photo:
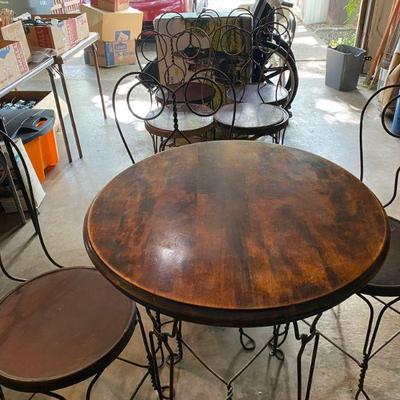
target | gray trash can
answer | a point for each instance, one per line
(343, 67)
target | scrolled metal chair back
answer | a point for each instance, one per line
(221, 84)
(273, 59)
(208, 20)
(128, 101)
(233, 53)
(392, 101)
(286, 18)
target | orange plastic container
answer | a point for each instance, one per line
(43, 153)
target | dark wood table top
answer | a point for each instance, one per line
(237, 233)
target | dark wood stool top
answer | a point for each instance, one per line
(250, 93)
(250, 117)
(237, 233)
(60, 328)
(189, 123)
(387, 280)
(196, 93)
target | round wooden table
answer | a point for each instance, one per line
(237, 233)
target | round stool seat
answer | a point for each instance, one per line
(267, 93)
(253, 119)
(61, 328)
(196, 93)
(189, 122)
(387, 281)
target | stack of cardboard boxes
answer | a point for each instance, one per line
(118, 25)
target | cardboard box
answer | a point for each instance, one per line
(110, 5)
(112, 54)
(15, 32)
(12, 62)
(71, 29)
(49, 37)
(114, 27)
(45, 101)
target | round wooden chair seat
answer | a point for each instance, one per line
(387, 280)
(61, 328)
(253, 119)
(197, 93)
(188, 122)
(250, 93)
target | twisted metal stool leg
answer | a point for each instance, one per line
(370, 339)
(305, 339)
(160, 336)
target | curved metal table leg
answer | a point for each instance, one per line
(251, 343)
(280, 337)
(306, 338)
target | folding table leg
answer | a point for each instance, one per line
(96, 63)
(60, 72)
(60, 116)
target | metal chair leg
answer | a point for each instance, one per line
(54, 395)
(9, 276)
(92, 383)
(369, 343)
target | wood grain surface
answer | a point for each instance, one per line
(237, 233)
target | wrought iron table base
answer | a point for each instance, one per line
(159, 337)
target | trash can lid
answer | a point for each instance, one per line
(27, 124)
(355, 51)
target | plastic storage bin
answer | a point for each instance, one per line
(43, 153)
(343, 67)
(36, 130)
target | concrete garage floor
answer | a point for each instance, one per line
(324, 122)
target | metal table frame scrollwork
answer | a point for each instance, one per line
(161, 337)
